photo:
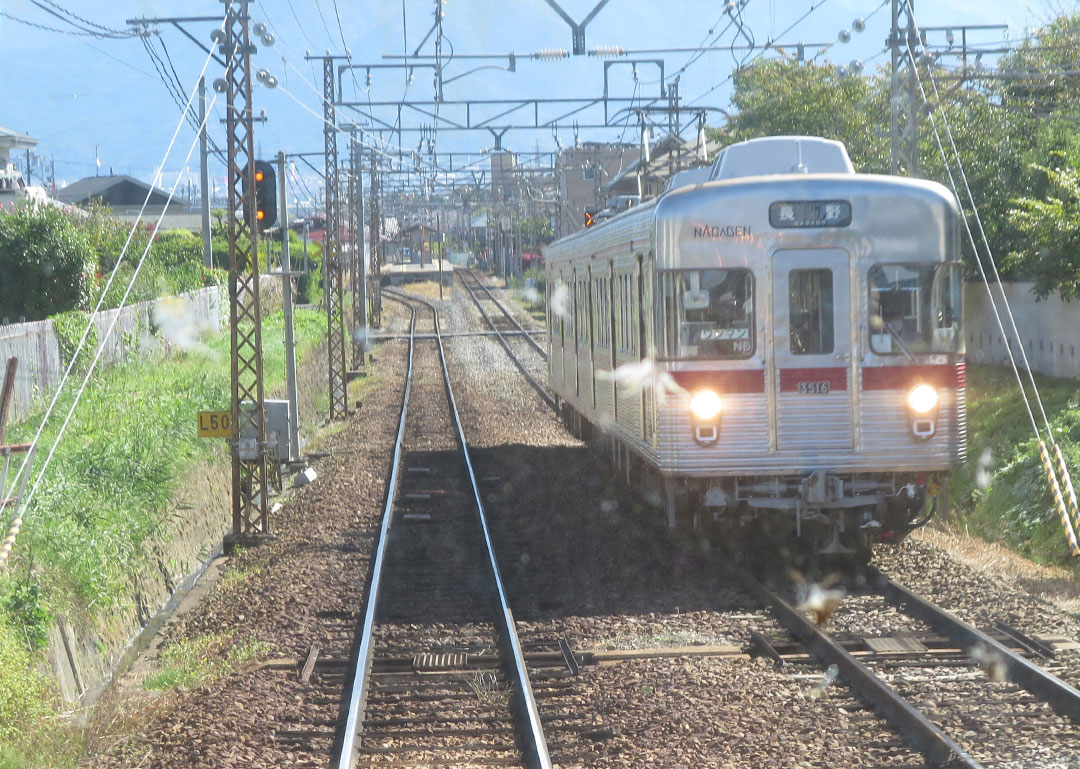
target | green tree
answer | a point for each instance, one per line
(783, 97)
(46, 263)
(1050, 229)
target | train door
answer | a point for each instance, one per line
(585, 338)
(812, 349)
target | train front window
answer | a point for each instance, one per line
(810, 311)
(708, 314)
(915, 308)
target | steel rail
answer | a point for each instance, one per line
(1062, 697)
(536, 345)
(521, 367)
(536, 744)
(358, 695)
(923, 734)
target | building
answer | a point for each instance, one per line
(12, 184)
(582, 172)
(644, 179)
(124, 196)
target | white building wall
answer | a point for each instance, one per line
(1050, 329)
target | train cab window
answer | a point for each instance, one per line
(915, 308)
(810, 311)
(707, 314)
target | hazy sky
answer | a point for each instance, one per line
(79, 94)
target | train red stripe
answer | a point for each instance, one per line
(737, 381)
(904, 377)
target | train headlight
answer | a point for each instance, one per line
(705, 405)
(922, 403)
(922, 399)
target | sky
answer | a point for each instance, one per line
(87, 98)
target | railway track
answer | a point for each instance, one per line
(963, 697)
(504, 320)
(440, 678)
(526, 353)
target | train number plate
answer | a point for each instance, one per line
(813, 388)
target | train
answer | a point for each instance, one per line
(772, 348)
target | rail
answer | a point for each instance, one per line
(937, 746)
(517, 362)
(531, 731)
(505, 312)
(358, 694)
(1062, 697)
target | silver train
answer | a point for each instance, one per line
(772, 346)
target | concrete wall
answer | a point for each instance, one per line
(177, 320)
(1050, 329)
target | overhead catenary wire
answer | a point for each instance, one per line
(19, 478)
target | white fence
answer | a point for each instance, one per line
(179, 319)
(1050, 329)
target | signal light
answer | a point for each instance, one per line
(590, 219)
(265, 195)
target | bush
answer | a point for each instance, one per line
(46, 264)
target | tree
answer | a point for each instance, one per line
(46, 264)
(1050, 229)
(783, 97)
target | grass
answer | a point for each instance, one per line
(189, 662)
(106, 495)
(31, 724)
(1001, 494)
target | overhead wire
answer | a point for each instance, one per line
(1072, 509)
(19, 480)
(78, 22)
(768, 44)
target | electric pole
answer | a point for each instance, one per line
(333, 273)
(250, 520)
(904, 99)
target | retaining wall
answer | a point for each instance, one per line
(1050, 329)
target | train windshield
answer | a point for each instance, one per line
(707, 314)
(915, 308)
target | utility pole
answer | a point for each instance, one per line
(904, 99)
(376, 238)
(332, 263)
(287, 306)
(249, 446)
(357, 252)
(204, 178)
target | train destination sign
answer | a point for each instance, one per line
(810, 213)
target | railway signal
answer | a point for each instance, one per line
(265, 194)
(590, 218)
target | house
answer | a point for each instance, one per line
(124, 197)
(644, 179)
(12, 184)
(582, 172)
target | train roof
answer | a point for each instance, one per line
(782, 155)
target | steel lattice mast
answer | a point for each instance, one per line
(904, 99)
(249, 465)
(333, 272)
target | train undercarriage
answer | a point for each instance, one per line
(807, 516)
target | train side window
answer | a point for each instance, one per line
(601, 314)
(810, 311)
(707, 314)
(915, 308)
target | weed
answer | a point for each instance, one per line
(485, 685)
(193, 661)
(1001, 493)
